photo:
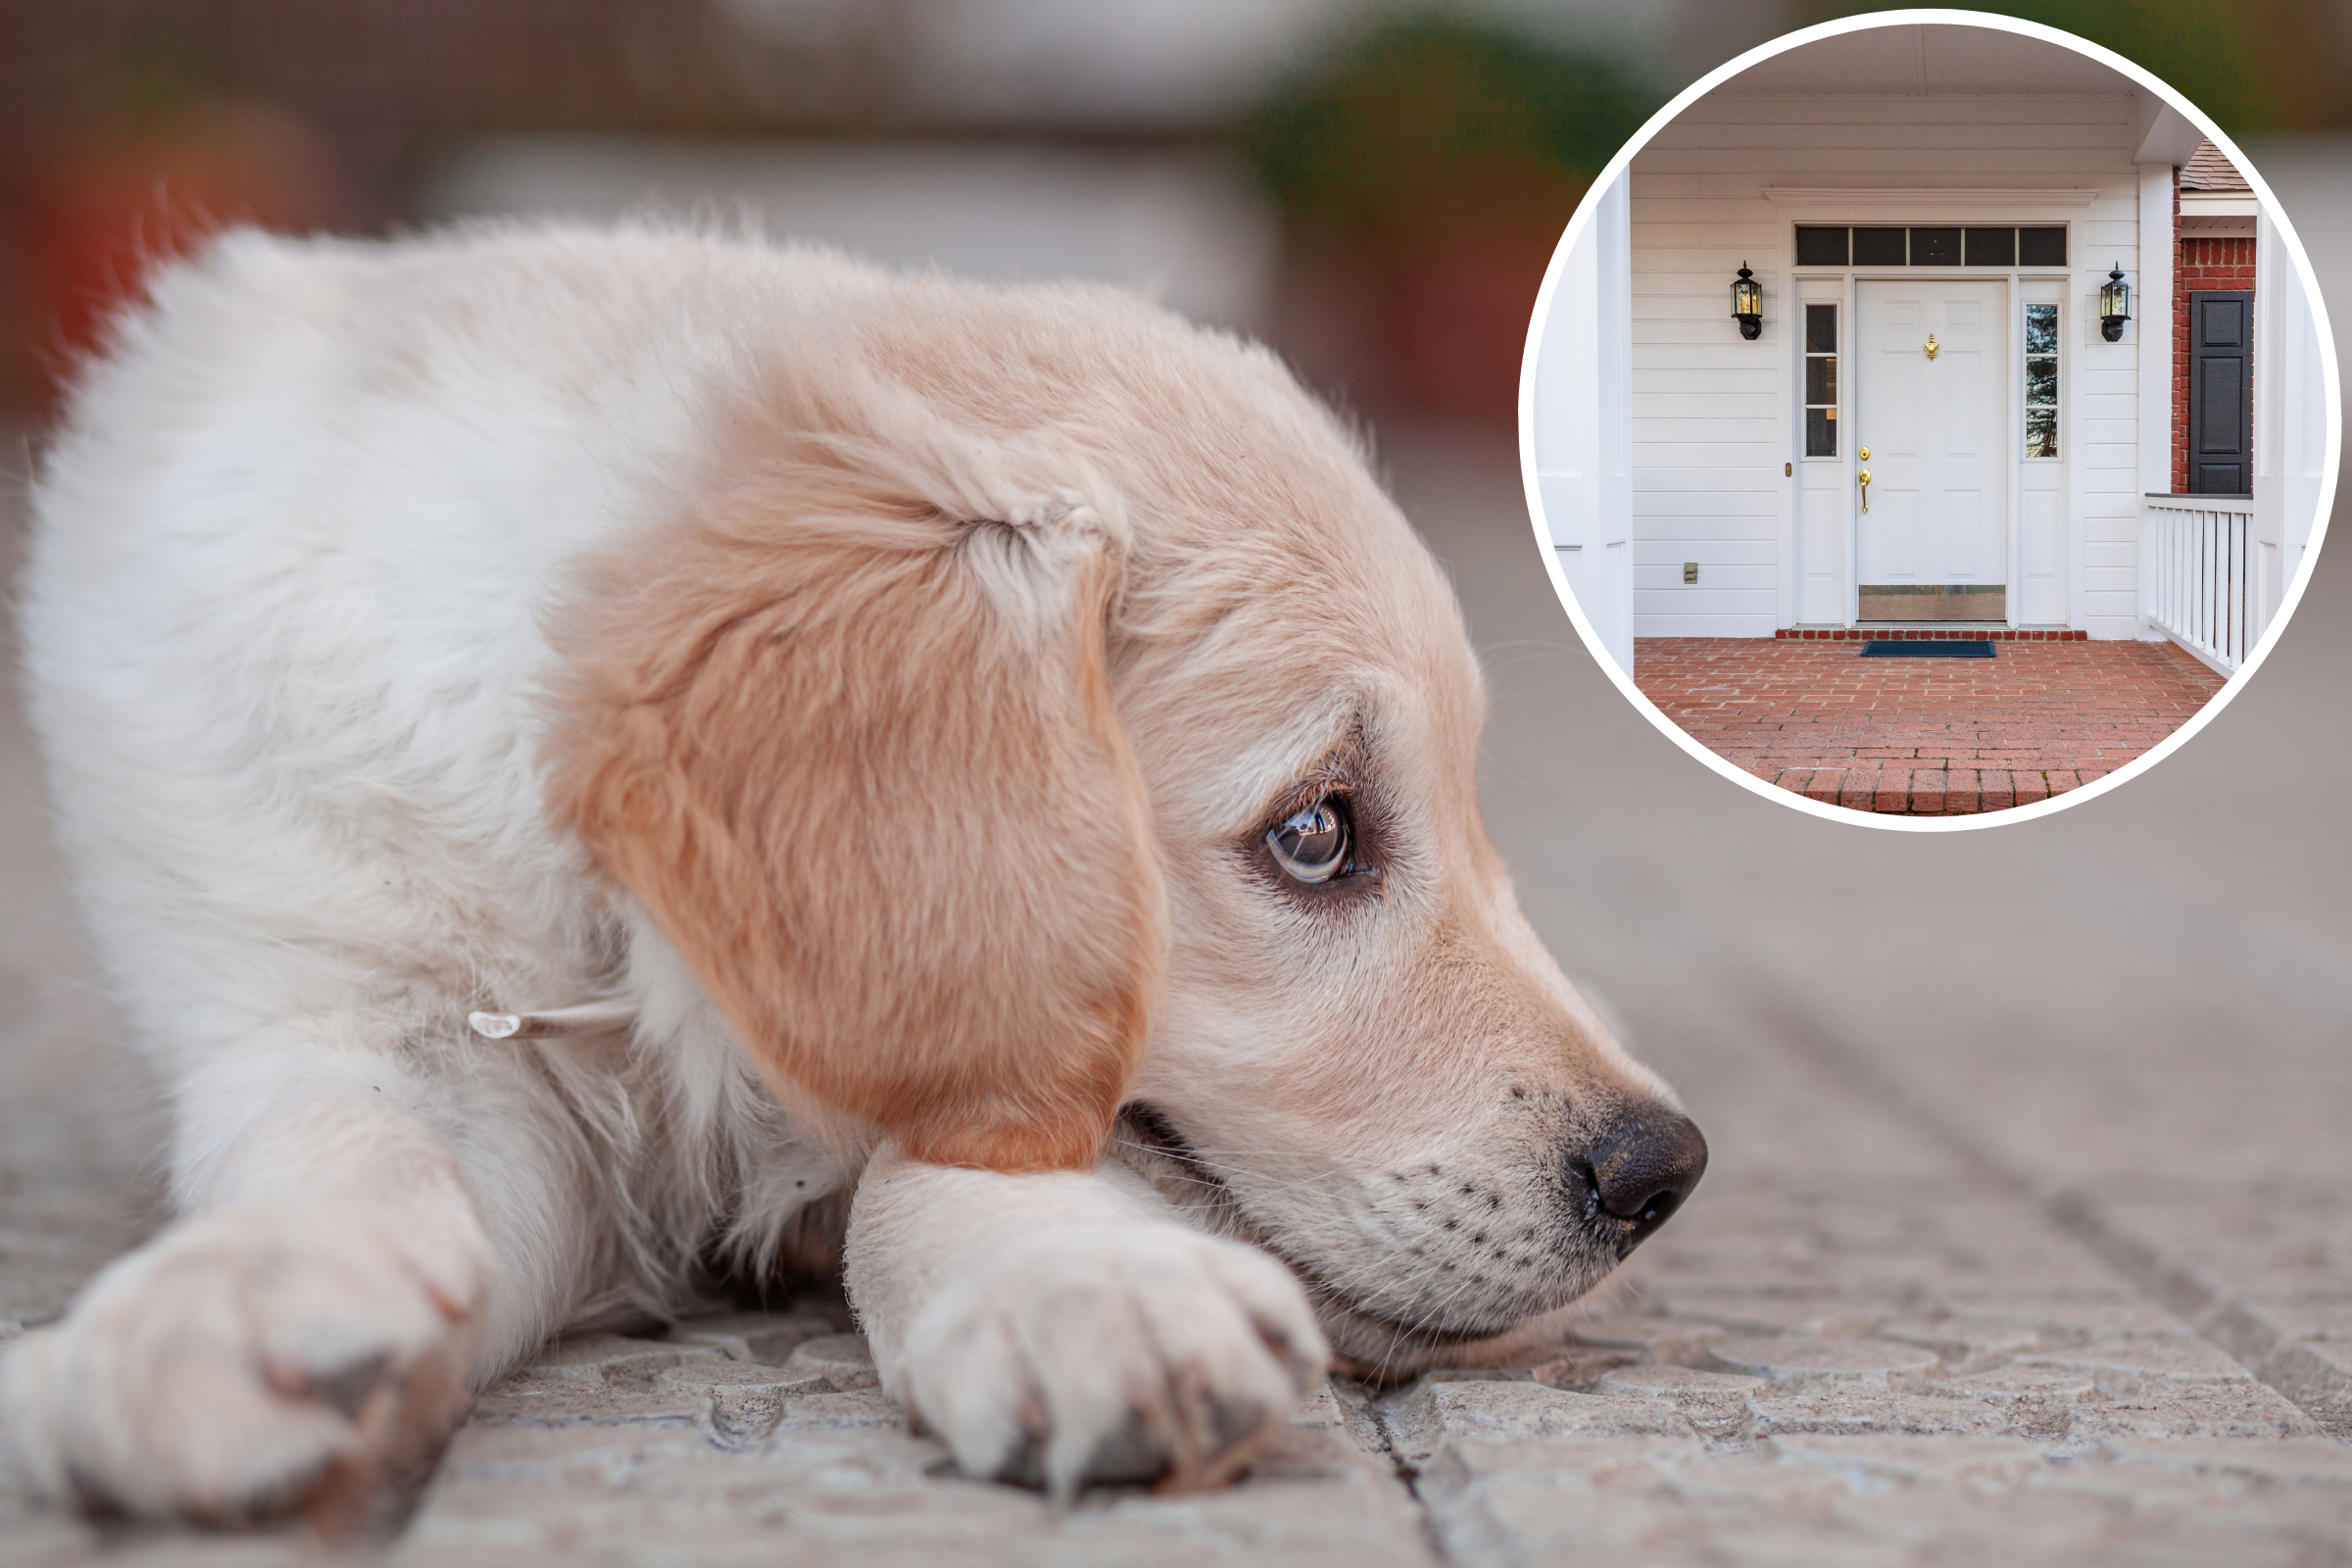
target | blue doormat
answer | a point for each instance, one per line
(1923, 647)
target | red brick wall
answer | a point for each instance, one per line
(2198, 264)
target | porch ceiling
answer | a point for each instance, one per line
(1923, 61)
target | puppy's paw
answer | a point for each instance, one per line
(1108, 1354)
(250, 1362)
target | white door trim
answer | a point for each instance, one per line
(1931, 207)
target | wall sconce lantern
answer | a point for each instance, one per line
(2115, 305)
(1747, 303)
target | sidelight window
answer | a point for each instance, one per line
(2042, 380)
(1821, 380)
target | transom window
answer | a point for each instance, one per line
(1821, 380)
(2042, 380)
(2002, 245)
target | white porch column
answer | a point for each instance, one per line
(1584, 423)
(2290, 421)
(2155, 328)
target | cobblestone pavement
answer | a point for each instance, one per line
(2025, 1239)
(1923, 736)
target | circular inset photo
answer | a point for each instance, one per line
(1930, 419)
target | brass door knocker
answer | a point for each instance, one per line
(1931, 345)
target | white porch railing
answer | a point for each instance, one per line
(2203, 593)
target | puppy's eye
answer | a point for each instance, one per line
(1311, 843)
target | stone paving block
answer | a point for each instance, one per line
(2064, 1318)
(2290, 1462)
(858, 1409)
(2038, 1404)
(1432, 1413)
(2122, 1367)
(1799, 1363)
(2317, 1376)
(1984, 1462)
(1845, 1414)
(766, 1337)
(1803, 1500)
(1569, 1502)
(599, 1379)
(2027, 1527)
(1964, 1344)
(741, 1406)
(1657, 1339)
(1714, 1402)
(1805, 1241)
(2239, 1498)
(608, 1378)
(841, 1359)
(1581, 1367)
(842, 1480)
(2241, 1409)
(2312, 1315)
(1813, 1313)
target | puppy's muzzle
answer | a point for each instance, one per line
(1641, 1172)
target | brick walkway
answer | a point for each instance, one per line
(1923, 736)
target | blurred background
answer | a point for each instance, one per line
(2154, 984)
(1374, 187)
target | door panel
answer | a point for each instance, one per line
(1965, 424)
(1893, 519)
(1967, 516)
(1937, 528)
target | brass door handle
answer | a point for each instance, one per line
(1864, 476)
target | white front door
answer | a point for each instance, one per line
(1934, 543)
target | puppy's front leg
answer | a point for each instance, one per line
(306, 1330)
(1063, 1327)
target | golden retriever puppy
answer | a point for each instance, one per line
(988, 762)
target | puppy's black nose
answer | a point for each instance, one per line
(1645, 1169)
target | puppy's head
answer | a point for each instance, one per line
(1041, 733)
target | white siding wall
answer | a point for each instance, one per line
(1715, 417)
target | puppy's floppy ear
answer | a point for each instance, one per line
(857, 756)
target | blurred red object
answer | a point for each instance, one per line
(1459, 303)
(1426, 166)
(95, 210)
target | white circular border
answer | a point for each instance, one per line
(1624, 678)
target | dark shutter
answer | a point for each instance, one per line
(2221, 392)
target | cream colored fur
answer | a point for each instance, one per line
(340, 557)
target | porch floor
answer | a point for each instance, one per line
(1923, 736)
